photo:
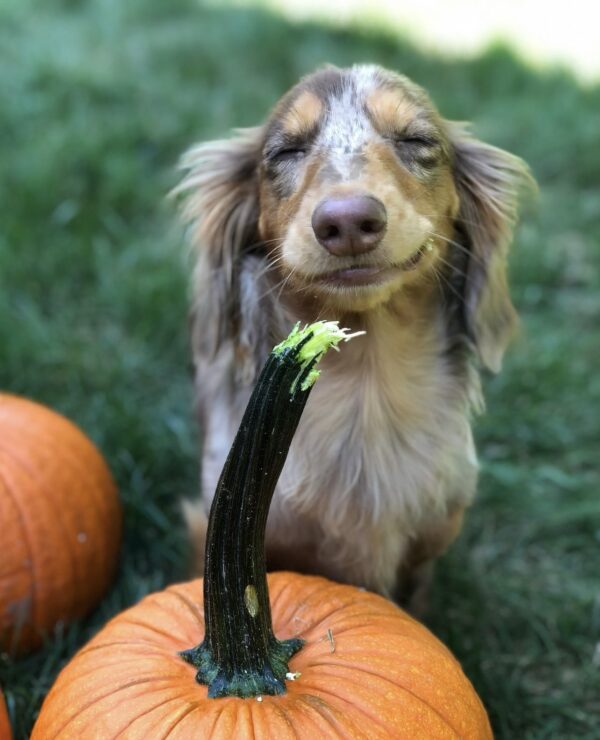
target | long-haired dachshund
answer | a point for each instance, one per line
(355, 201)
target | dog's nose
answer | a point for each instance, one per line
(349, 226)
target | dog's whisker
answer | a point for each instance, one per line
(436, 276)
(264, 242)
(458, 245)
(271, 289)
(291, 272)
(440, 275)
(453, 269)
(271, 263)
(459, 219)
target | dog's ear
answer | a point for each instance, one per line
(488, 182)
(220, 206)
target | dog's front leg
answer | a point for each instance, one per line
(416, 572)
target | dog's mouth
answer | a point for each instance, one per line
(414, 259)
(370, 275)
(358, 275)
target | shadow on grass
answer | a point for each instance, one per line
(96, 102)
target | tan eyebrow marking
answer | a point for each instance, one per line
(303, 115)
(390, 110)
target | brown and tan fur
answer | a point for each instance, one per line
(383, 463)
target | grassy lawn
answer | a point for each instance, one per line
(97, 99)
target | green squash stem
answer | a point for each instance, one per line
(240, 655)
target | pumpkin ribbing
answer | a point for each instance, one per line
(387, 677)
(60, 520)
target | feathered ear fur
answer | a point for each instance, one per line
(488, 181)
(221, 207)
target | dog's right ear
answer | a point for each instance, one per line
(488, 182)
(220, 206)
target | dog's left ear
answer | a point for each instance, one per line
(488, 182)
(220, 205)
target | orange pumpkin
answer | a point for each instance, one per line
(5, 731)
(367, 670)
(345, 663)
(60, 520)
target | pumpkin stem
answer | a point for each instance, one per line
(240, 655)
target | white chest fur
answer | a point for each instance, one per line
(383, 450)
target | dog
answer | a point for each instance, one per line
(355, 201)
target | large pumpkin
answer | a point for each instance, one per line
(315, 660)
(367, 670)
(60, 521)
(5, 731)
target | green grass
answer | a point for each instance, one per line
(97, 99)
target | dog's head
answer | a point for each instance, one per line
(355, 190)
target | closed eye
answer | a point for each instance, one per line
(425, 141)
(292, 152)
(283, 148)
(419, 149)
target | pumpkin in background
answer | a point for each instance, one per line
(5, 731)
(366, 670)
(60, 520)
